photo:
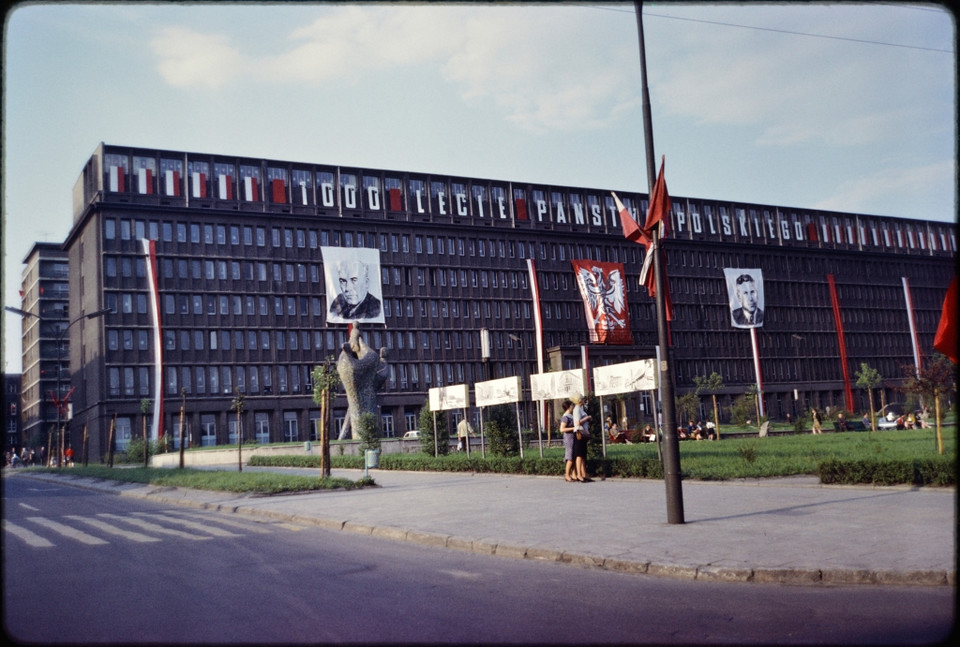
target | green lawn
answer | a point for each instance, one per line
(794, 454)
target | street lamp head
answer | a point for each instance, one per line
(18, 311)
(99, 313)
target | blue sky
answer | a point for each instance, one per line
(820, 106)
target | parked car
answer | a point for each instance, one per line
(411, 435)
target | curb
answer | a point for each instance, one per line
(703, 572)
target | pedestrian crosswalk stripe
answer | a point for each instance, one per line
(114, 530)
(186, 523)
(68, 531)
(152, 527)
(31, 538)
(249, 526)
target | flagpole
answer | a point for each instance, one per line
(671, 444)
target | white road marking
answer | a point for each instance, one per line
(31, 538)
(151, 527)
(113, 530)
(186, 523)
(68, 531)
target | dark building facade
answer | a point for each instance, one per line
(45, 350)
(244, 293)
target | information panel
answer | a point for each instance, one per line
(449, 397)
(502, 391)
(553, 386)
(626, 377)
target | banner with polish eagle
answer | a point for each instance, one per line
(604, 300)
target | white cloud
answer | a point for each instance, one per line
(521, 61)
(187, 58)
(860, 194)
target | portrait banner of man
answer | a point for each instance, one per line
(745, 290)
(352, 280)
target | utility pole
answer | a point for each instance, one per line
(671, 444)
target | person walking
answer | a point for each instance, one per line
(817, 427)
(464, 431)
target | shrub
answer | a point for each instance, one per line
(134, 453)
(933, 471)
(500, 430)
(369, 431)
(427, 444)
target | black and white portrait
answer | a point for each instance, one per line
(745, 290)
(352, 279)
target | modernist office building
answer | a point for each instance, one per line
(244, 294)
(45, 345)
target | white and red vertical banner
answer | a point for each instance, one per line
(117, 176)
(226, 187)
(145, 181)
(914, 342)
(150, 251)
(198, 183)
(171, 181)
(838, 321)
(250, 189)
(537, 321)
(604, 300)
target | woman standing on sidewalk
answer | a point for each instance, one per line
(581, 425)
(567, 429)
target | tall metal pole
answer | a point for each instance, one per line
(671, 444)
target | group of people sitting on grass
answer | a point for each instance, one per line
(697, 431)
(616, 435)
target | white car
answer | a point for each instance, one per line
(411, 435)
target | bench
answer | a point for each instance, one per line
(852, 425)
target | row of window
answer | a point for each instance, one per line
(300, 238)
(317, 340)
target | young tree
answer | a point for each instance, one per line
(935, 380)
(869, 378)
(687, 407)
(325, 381)
(238, 406)
(711, 385)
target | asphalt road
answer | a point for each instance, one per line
(83, 567)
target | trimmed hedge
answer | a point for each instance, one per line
(940, 471)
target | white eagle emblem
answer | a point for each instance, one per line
(606, 296)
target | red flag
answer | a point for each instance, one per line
(657, 216)
(946, 338)
(660, 205)
(631, 230)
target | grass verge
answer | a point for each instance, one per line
(241, 482)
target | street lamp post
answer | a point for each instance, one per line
(59, 400)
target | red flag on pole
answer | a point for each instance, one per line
(946, 338)
(660, 205)
(657, 216)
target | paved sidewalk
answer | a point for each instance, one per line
(789, 530)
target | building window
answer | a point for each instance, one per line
(262, 424)
(123, 433)
(208, 430)
(291, 432)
